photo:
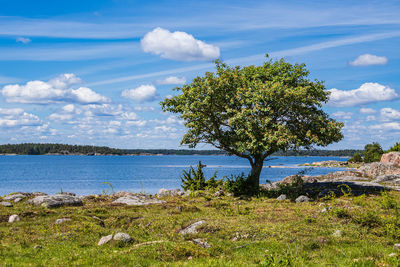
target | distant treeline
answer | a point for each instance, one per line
(42, 149)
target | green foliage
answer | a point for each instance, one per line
(255, 111)
(373, 152)
(291, 190)
(108, 191)
(194, 180)
(357, 157)
(396, 147)
(240, 185)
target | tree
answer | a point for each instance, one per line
(373, 152)
(395, 147)
(357, 157)
(254, 111)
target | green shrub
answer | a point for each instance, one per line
(396, 147)
(241, 185)
(357, 157)
(373, 152)
(194, 180)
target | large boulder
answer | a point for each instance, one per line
(391, 158)
(375, 169)
(54, 201)
(170, 193)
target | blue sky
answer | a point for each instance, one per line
(94, 72)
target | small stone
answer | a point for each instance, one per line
(191, 229)
(281, 197)
(62, 220)
(397, 246)
(219, 193)
(392, 254)
(326, 209)
(15, 196)
(337, 233)
(303, 199)
(6, 204)
(37, 247)
(18, 199)
(200, 242)
(122, 237)
(101, 222)
(13, 218)
(105, 239)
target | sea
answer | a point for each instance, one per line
(84, 175)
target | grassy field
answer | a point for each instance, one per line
(357, 231)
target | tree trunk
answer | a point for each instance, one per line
(256, 169)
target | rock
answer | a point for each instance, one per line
(37, 247)
(326, 209)
(122, 237)
(388, 178)
(101, 222)
(62, 220)
(303, 199)
(219, 193)
(169, 193)
(121, 194)
(191, 229)
(54, 201)
(200, 242)
(293, 178)
(337, 233)
(6, 204)
(18, 199)
(397, 246)
(391, 158)
(105, 239)
(138, 200)
(392, 255)
(13, 218)
(281, 197)
(13, 197)
(375, 169)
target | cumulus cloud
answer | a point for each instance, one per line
(367, 93)
(177, 46)
(172, 80)
(60, 117)
(142, 93)
(386, 126)
(368, 60)
(367, 110)
(343, 115)
(17, 117)
(23, 40)
(390, 114)
(58, 89)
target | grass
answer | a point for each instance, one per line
(253, 232)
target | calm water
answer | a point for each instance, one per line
(86, 174)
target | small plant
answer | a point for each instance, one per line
(194, 180)
(106, 192)
(388, 202)
(241, 185)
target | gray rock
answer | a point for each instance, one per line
(105, 239)
(281, 197)
(169, 193)
(326, 209)
(54, 201)
(18, 199)
(392, 255)
(377, 169)
(13, 197)
(337, 233)
(397, 246)
(191, 229)
(13, 218)
(219, 193)
(201, 242)
(138, 200)
(62, 220)
(37, 247)
(391, 158)
(6, 204)
(328, 193)
(124, 237)
(388, 178)
(303, 199)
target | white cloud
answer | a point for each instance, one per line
(129, 116)
(387, 126)
(11, 111)
(58, 89)
(368, 60)
(391, 114)
(139, 123)
(143, 93)
(367, 111)
(103, 110)
(371, 118)
(343, 115)
(23, 40)
(60, 117)
(172, 80)
(368, 92)
(177, 46)
(15, 118)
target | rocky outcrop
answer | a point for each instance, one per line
(377, 169)
(391, 158)
(54, 201)
(393, 179)
(138, 200)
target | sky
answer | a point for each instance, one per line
(94, 72)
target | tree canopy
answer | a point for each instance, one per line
(254, 111)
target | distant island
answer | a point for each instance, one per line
(65, 149)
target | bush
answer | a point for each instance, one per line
(373, 152)
(194, 180)
(241, 185)
(396, 147)
(356, 158)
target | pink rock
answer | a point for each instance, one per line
(391, 158)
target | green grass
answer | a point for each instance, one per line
(254, 232)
